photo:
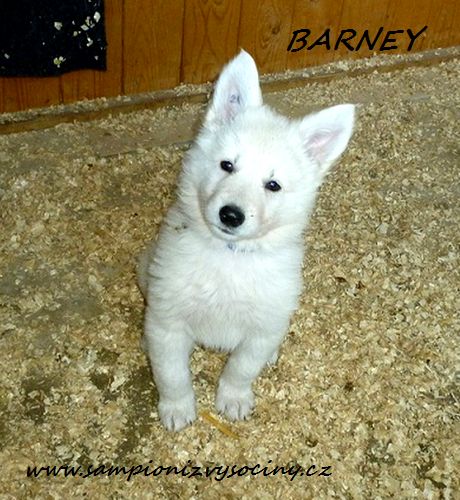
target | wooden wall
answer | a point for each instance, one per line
(158, 44)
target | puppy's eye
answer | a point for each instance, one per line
(272, 186)
(227, 166)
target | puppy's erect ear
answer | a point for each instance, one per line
(236, 89)
(326, 134)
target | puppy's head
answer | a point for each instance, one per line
(253, 172)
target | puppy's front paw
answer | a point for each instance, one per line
(177, 413)
(234, 403)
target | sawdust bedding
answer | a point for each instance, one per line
(366, 383)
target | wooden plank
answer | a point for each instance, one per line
(265, 30)
(78, 85)
(25, 93)
(89, 84)
(360, 16)
(210, 38)
(414, 15)
(152, 44)
(317, 17)
(364, 15)
(37, 121)
(146, 39)
(110, 82)
(443, 24)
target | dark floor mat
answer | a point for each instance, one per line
(45, 38)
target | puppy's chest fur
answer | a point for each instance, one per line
(221, 294)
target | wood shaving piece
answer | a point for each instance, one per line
(225, 429)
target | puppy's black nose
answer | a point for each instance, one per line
(231, 216)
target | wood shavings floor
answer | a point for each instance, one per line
(368, 378)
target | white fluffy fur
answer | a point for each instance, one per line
(234, 290)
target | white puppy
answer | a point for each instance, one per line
(225, 271)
